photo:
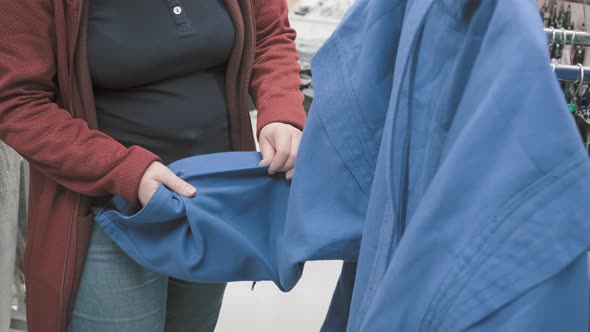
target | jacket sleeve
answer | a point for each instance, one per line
(63, 148)
(275, 77)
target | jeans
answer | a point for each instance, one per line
(118, 295)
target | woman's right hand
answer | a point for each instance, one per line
(156, 174)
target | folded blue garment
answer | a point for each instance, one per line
(234, 229)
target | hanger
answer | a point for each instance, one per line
(552, 43)
(583, 114)
(580, 81)
(573, 48)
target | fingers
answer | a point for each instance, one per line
(290, 164)
(148, 184)
(146, 192)
(176, 184)
(282, 154)
(268, 152)
(279, 144)
(289, 175)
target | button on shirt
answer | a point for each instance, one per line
(159, 73)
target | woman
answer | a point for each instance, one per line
(98, 96)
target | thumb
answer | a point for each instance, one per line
(268, 153)
(178, 185)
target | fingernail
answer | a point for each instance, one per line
(191, 191)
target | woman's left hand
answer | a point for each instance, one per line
(279, 143)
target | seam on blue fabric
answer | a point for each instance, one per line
(351, 11)
(454, 318)
(463, 261)
(240, 161)
(351, 148)
(448, 284)
(417, 11)
(451, 321)
(356, 104)
(151, 204)
(561, 184)
(410, 31)
(255, 170)
(364, 131)
(117, 218)
(346, 164)
(468, 306)
(385, 14)
(432, 123)
(355, 101)
(122, 233)
(456, 271)
(380, 252)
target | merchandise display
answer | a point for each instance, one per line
(568, 40)
(565, 19)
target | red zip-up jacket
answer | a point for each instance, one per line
(47, 115)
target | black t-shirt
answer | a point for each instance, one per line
(158, 70)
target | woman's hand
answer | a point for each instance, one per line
(158, 173)
(279, 143)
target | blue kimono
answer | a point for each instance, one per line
(475, 220)
(439, 154)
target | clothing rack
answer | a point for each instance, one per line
(569, 73)
(563, 35)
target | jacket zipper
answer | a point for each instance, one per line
(79, 10)
(63, 303)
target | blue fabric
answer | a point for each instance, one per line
(234, 228)
(440, 137)
(476, 199)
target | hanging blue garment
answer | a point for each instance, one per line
(476, 219)
(439, 136)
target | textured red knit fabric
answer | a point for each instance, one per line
(47, 115)
(275, 76)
